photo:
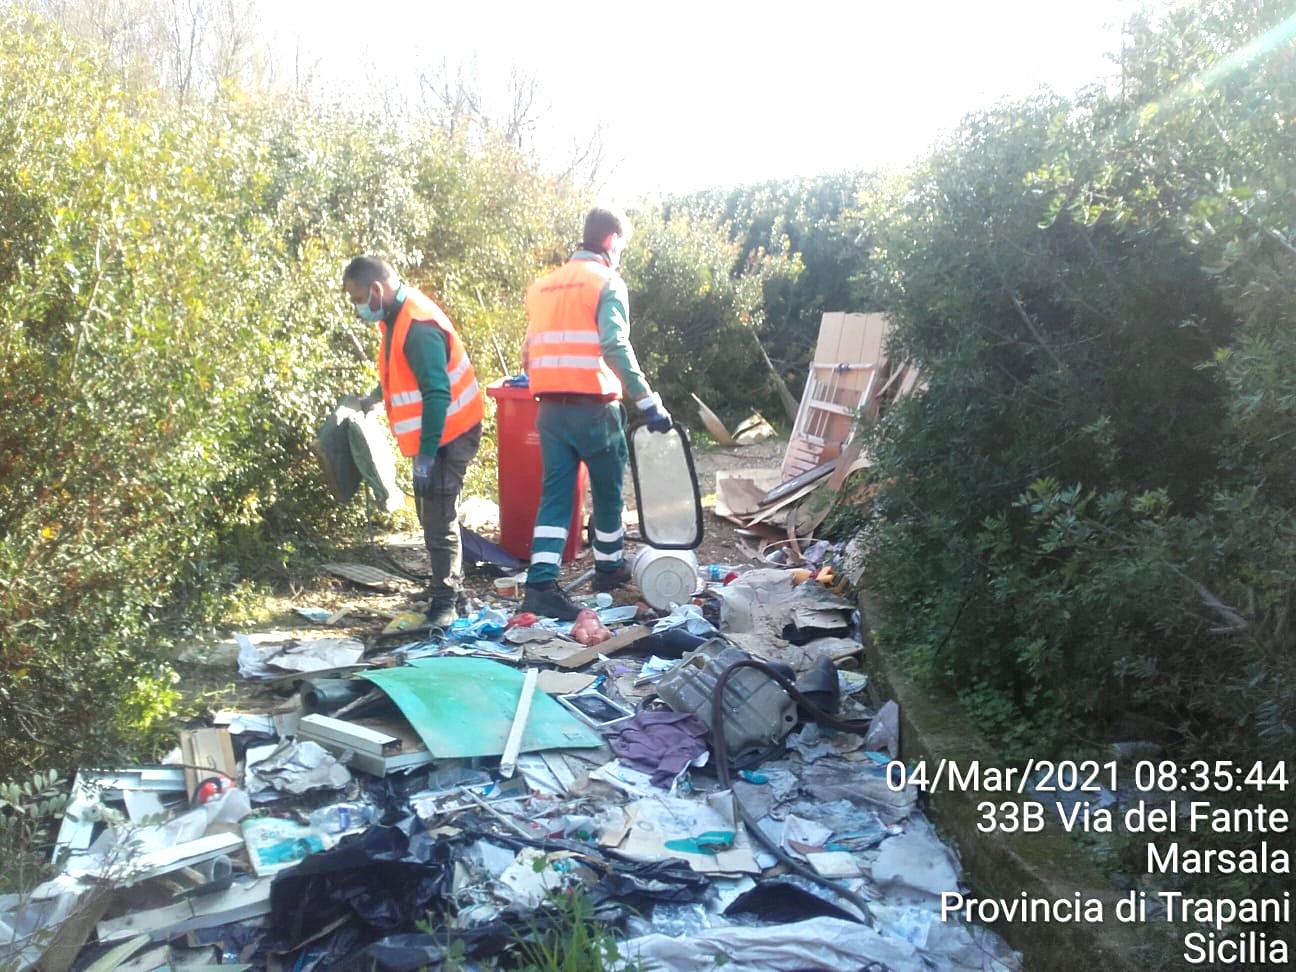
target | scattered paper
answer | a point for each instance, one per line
(704, 834)
(294, 768)
(271, 661)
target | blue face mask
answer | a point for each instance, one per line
(367, 313)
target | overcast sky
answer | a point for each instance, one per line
(695, 95)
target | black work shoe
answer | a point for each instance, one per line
(442, 614)
(549, 600)
(606, 581)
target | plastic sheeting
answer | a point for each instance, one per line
(381, 877)
(463, 707)
(828, 943)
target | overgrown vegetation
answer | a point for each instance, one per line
(30, 812)
(174, 333)
(1085, 524)
(573, 939)
(813, 240)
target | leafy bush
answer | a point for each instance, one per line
(29, 813)
(815, 237)
(694, 319)
(1084, 523)
(174, 333)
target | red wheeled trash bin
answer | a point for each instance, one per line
(521, 473)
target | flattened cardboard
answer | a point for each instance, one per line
(618, 642)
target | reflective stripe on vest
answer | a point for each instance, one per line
(401, 392)
(562, 339)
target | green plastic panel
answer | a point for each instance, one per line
(464, 707)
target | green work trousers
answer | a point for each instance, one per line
(572, 433)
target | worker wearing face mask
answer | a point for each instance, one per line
(435, 408)
(579, 363)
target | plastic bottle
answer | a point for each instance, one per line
(338, 818)
(717, 572)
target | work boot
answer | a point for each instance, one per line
(442, 614)
(549, 600)
(606, 581)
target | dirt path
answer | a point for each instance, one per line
(719, 545)
(209, 668)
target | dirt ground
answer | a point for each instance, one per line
(720, 543)
(209, 666)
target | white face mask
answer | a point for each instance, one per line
(366, 312)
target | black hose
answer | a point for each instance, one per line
(722, 771)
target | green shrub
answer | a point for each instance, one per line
(174, 333)
(1084, 523)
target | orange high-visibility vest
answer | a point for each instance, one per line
(400, 388)
(562, 340)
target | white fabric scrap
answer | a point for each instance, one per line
(295, 768)
(830, 943)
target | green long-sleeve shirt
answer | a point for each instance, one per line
(428, 352)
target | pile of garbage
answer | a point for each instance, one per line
(711, 781)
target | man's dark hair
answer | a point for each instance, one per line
(368, 270)
(599, 222)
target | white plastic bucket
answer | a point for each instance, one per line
(665, 577)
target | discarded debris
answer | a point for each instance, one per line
(708, 773)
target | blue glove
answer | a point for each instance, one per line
(657, 419)
(423, 466)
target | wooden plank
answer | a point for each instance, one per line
(158, 957)
(713, 423)
(408, 751)
(322, 728)
(508, 761)
(563, 683)
(892, 378)
(206, 753)
(787, 500)
(560, 768)
(862, 338)
(738, 494)
(792, 485)
(619, 643)
(238, 903)
(830, 332)
(910, 381)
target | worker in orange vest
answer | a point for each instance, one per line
(429, 388)
(579, 361)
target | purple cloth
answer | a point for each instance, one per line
(659, 742)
